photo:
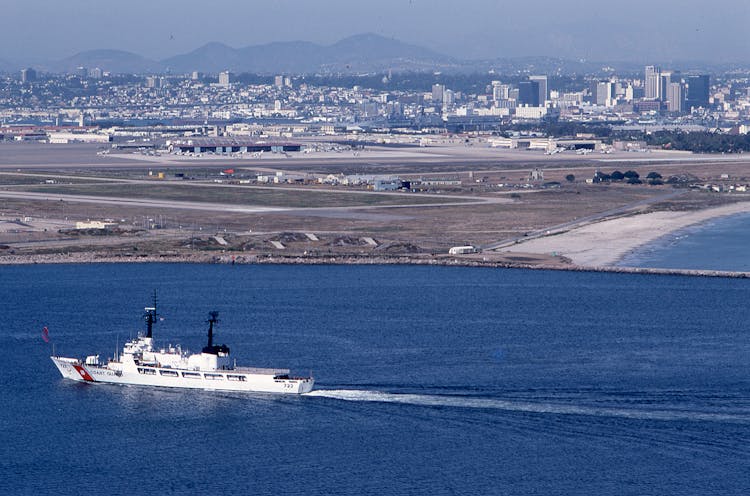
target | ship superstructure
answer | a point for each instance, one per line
(140, 363)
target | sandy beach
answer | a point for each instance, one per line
(604, 243)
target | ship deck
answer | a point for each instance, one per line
(260, 371)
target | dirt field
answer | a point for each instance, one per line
(44, 190)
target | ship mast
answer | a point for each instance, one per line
(150, 317)
(213, 318)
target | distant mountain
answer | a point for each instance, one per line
(212, 57)
(363, 53)
(273, 57)
(356, 53)
(371, 51)
(116, 61)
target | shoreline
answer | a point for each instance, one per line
(84, 259)
(594, 247)
(605, 243)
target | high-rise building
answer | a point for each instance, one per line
(590, 96)
(528, 93)
(604, 93)
(28, 75)
(543, 89)
(665, 79)
(653, 82)
(224, 78)
(153, 82)
(505, 90)
(95, 73)
(449, 98)
(629, 93)
(278, 81)
(437, 93)
(496, 90)
(698, 90)
(500, 91)
(674, 97)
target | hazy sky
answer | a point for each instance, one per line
(639, 30)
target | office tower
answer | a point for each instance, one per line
(528, 93)
(592, 89)
(153, 82)
(629, 93)
(278, 81)
(500, 91)
(288, 82)
(28, 75)
(674, 97)
(543, 89)
(224, 78)
(698, 90)
(195, 75)
(505, 90)
(437, 93)
(653, 82)
(496, 95)
(604, 92)
(665, 79)
(448, 98)
(95, 73)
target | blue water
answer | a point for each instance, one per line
(720, 244)
(430, 381)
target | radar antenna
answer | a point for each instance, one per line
(150, 317)
(213, 318)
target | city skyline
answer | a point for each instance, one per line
(477, 29)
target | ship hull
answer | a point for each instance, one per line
(243, 380)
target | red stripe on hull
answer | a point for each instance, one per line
(85, 375)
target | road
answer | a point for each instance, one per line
(246, 209)
(343, 190)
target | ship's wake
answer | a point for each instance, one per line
(542, 407)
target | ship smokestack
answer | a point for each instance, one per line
(213, 318)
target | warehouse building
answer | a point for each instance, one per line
(229, 145)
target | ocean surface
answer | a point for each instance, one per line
(719, 244)
(430, 380)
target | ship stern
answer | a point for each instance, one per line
(306, 385)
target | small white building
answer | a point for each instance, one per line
(462, 250)
(530, 112)
(62, 138)
(95, 224)
(503, 143)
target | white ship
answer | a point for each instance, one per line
(143, 365)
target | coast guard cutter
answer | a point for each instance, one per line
(143, 365)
